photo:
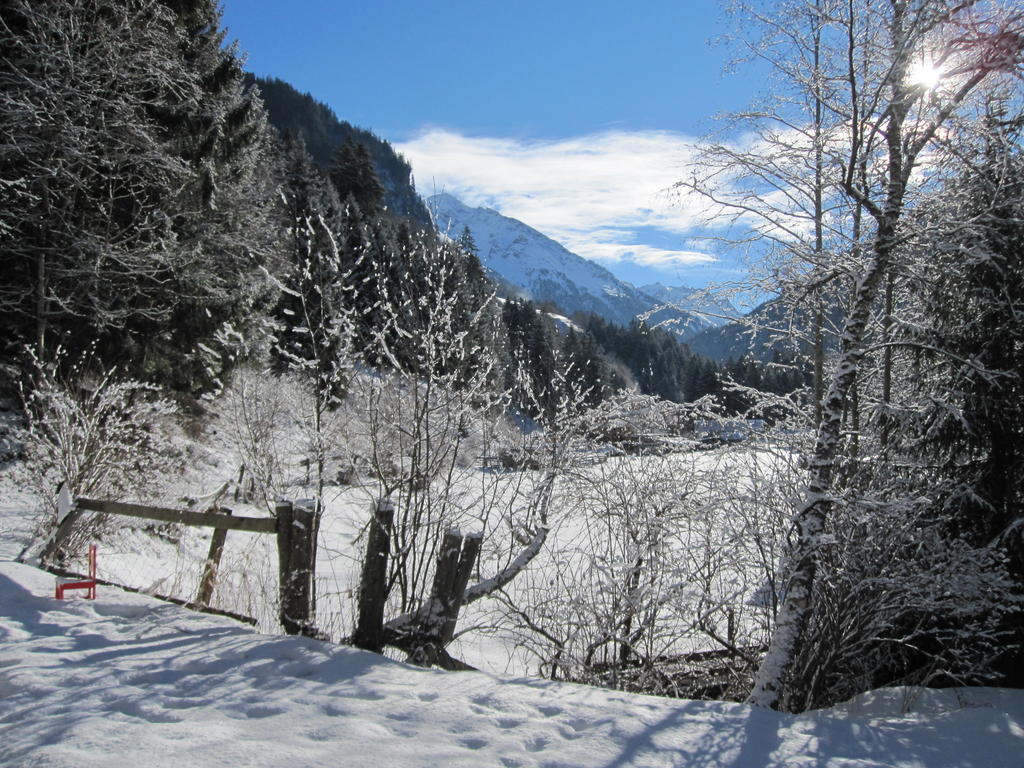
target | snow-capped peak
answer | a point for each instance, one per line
(544, 270)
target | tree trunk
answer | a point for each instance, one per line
(812, 514)
(886, 417)
(369, 634)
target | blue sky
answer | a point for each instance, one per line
(575, 117)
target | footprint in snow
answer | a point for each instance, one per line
(483, 703)
(536, 744)
(259, 712)
(149, 714)
(578, 724)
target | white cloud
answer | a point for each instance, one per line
(646, 255)
(605, 196)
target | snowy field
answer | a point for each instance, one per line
(128, 680)
(576, 579)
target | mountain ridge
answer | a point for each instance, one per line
(544, 270)
(300, 114)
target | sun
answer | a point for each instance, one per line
(925, 75)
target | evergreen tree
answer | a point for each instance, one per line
(477, 309)
(87, 241)
(532, 363)
(304, 191)
(145, 232)
(586, 367)
(224, 221)
(375, 251)
(312, 313)
(967, 418)
(355, 178)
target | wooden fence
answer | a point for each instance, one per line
(423, 633)
(293, 525)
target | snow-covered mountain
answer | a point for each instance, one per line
(542, 270)
(713, 310)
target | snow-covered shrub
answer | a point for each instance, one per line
(260, 429)
(899, 601)
(654, 559)
(98, 433)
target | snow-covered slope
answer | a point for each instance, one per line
(543, 270)
(708, 310)
(126, 680)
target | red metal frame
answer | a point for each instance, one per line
(87, 584)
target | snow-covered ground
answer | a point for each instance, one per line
(127, 680)
(562, 584)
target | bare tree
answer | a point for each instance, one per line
(884, 82)
(655, 562)
(422, 421)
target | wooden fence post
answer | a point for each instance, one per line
(430, 620)
(209, 580)
(303, 553)
(467, 562)
(445, 574)
(294, 548)
(68, 514)
(437, 622)
(369, 633)
(284, 511)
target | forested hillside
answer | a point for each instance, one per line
(300, 115)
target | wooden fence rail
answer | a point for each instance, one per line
(423, 633)
(181, 516)
(293, 527)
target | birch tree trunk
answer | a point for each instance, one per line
(813, 511)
